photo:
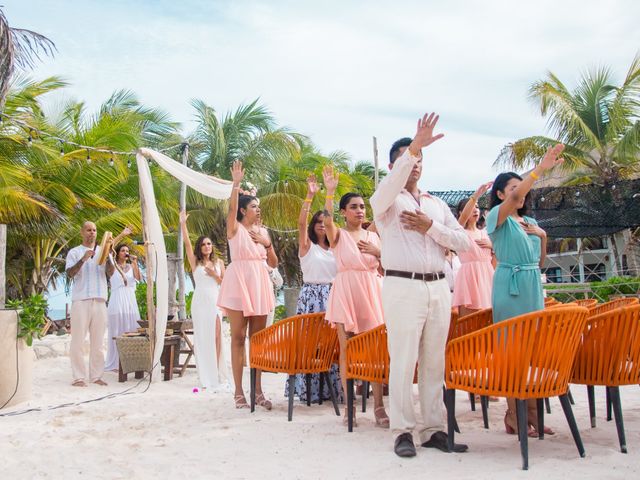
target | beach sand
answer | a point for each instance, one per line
(171, 432)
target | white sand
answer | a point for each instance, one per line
(171, 432)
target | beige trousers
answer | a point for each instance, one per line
(417, 315)
(88, 316)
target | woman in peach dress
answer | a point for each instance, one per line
(354, 305)
(472, 289)
(246, 292)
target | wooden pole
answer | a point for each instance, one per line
(375, 162)
(182, 311)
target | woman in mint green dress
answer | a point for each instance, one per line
(520, 247)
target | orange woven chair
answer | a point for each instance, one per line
(613, 304)
(367, 360)
(300, 344)
(529, 356)
(550, 301)
(587, 302)
(462, 326)
(609, 355)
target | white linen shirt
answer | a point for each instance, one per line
(91, 280)
(408, 250)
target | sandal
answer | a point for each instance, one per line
(263, 402)
(100, 382)
(241, 401)
(382, 420)
(79, 383)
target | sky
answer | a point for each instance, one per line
(342, 72)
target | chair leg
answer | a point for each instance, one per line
(547, 404)
(472, 401)
(450, 403)
(592, 404)
(521, 413)
(444, 400)
(332, 392)
(292, 392)
(252, 394)
(608, 405)
(350, 395)
(540, 411)
(321, 380)
(614, 393)
(570, 396)
(308, 380)
(484, 404)
(568, 413)
(365, 395)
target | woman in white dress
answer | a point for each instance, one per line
(122, 312)
(207, 327)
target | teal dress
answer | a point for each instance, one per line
(517, 287)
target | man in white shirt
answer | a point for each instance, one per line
(88, 304)
(415, 229)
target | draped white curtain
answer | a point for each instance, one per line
(206, 185)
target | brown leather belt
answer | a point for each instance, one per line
(425, 277)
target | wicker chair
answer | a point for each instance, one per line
(587, 302)
(462, 326)
(301, 344)
(548, 301)
(613, 304)
(529, 356)
(609, 355)
(367, 360)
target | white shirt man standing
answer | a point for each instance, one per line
(415, 229)
(88, 305)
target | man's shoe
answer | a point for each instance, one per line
(439, 440)
(404, 446)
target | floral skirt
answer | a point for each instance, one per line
(313, 299)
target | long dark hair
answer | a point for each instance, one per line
(499, 184)
(198, 250)
(311, 232)
(243, 201)
(120, 247)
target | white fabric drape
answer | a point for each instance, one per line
(206, 185)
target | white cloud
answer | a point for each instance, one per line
(343, 71)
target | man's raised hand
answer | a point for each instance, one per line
(424, 132)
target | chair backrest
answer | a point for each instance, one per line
(368, 356)
(609, 349)
(452, 322)
(550, 301)
(529, 356)
(613, 304)
(586, 302)
(470, 323)
(303, 343)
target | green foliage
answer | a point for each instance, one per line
(188, 298)
(602, 291)
(141, 298)
(32, 316)
(280, 313)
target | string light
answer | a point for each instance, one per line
(88, 157)
(61, 148)
(111, 162)
(30, 139)
(129, 163)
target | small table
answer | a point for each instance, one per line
(171, 342)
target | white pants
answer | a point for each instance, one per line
(88, 316)
(417, 315)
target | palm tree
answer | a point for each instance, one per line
(79, 185)
(598, 122)
(18, 47)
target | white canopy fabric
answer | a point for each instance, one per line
(206, 185)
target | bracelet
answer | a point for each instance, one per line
(308, 200)
(270, 245)
(329, 197)
(533, 175)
